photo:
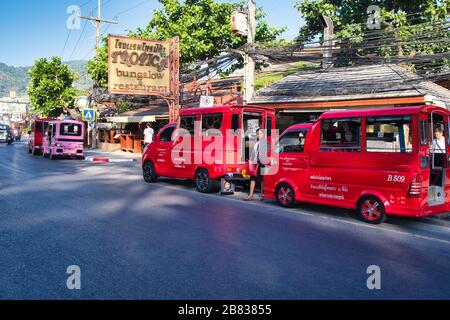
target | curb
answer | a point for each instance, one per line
(109, 160)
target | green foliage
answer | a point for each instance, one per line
(98, 67)
(83, 81)
(13, 78)
(410, 27)
(17, 78)
(51, 87)
(265, 79)
(123, 107)
(204, 28)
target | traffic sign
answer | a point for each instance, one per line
(89, 115)
(206, 101)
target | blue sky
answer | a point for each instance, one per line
(33, 29)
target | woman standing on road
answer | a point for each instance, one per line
(257, 163)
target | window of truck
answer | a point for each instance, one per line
(70, 129)
(37, 126)
(341, 135)
(188, 123)
(389, 134)
(269, 126)
(424, 133)
(252, 122)
(292, 141)
(235, 122)
(166, 135)
(51, 130)
(212, 125)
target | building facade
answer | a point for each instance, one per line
(14, 110)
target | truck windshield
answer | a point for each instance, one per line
(70, 129)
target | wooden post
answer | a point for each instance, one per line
(328, 42)
(174, 104)
(249, 62)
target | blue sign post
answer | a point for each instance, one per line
(89, 115)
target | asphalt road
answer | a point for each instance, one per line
(133, 240)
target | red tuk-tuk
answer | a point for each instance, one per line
(207, 144)
(38, 127)
(379, 162)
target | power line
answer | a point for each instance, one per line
(132, 8)
(416, 17)
(109, 25)
(372, 41)
(65, 43)
(380, 34)
(79, 38)
(87, 54)
(98, 21)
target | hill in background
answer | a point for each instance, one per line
(17, 77)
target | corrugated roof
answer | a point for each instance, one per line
(351, 83)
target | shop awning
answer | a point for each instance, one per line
(131, 119)
(146, 114)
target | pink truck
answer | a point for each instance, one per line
(63, 138)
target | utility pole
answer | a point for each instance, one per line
(98, 21)
(328, 41)
(249, 68)
(92, 131)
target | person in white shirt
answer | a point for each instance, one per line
(439, 141)
(258, 162)
(439, 151)
(148, 135)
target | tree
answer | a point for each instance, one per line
(97, 68)
(51, 87)
(204, 28)
(409, 28)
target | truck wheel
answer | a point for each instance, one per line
(285, 195)
(204, 183)
(371, 210)
(149, 173)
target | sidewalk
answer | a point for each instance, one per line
(98, 155)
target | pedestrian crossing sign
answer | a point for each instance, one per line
(89, 115)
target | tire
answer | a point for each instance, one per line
(204, 183)
(149, 173)
(371, 210)
(285, 195)
(34, 152)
